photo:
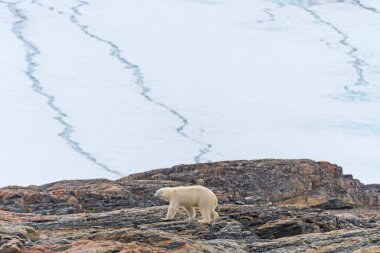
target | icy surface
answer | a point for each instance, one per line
(107, 88)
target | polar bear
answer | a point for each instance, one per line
(189, 197)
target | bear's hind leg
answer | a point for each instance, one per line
(191, 212)
(206, 216)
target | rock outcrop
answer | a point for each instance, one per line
(302, 183)
(265, 206)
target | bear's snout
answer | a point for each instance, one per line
(157, 194)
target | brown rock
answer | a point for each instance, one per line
(285, 182)
(265, 206)
(335, 241)
(9, 244)
(280, 228)
(370, 249)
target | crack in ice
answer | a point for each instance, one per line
(357, 63)
(361, 5)
(139, 81)
(270, 15)
(31, 52)
(269, 12)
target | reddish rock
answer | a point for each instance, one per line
(332, 169)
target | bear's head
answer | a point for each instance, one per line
(164, 193)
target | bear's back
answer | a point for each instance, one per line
(192, 195)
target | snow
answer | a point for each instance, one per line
(149, 84)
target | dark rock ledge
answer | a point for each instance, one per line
(265, 206)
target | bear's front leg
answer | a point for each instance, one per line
(191, 212)
(172, 210)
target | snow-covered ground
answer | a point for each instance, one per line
(107, 88)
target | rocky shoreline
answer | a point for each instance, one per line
(265, 206)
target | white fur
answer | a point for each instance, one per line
(189, 197)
